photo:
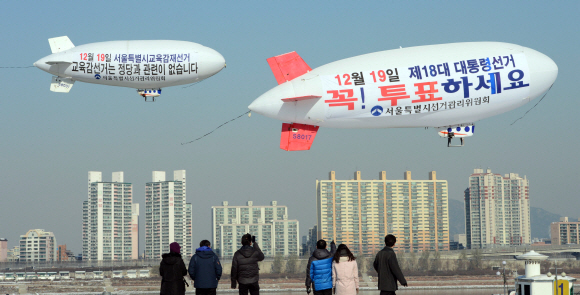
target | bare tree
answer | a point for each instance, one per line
(436, 261)
(291, 264)
(424, 260)
(278, 264)
(412, 261)
(460, 262)
(402, 259)
(475, 262)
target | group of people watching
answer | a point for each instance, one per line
(327, 272)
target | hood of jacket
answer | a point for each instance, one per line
(321, 254)
(247, 251)
(204, 252)
(171, 258)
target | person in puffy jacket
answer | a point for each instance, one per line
(344, 272)
(172, 270)
(205, 269)
(319, 269)
(245, 270)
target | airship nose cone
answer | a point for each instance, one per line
(211, 62)
(41, 64)
(543, 70)
(270, 104)
(265, 106)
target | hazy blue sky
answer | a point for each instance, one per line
(49, 141)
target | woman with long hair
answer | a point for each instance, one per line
(172, 271)
(344, 272)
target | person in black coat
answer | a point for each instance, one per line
(205, 269)
(172, 270)
(387, 267)
(245, 270)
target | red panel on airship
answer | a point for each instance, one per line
(288, 66)
(297, 137)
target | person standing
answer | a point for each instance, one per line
(344, 272)
(245, 270)
(319, 269)
(172, 270)
(387, 267)
(205, 269)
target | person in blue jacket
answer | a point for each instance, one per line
(319, 269)
(205, 269)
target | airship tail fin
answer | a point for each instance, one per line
(288, 66)
(60, 84)
(297, 137)
(59, 44)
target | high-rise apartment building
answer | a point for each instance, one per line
(3, 250)
(497, 210)
(360, 213)
(14, 254)
(565, 231)
(107, 219)
(61, 253)
(167, 215)
(275, 233)
(135, 231)
(38, 245)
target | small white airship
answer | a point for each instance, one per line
(147, 65)
(447, 86)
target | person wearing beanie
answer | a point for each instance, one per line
(245, 270)
(205, 269)
(172, 270)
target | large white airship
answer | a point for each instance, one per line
(447, 86)
(147, 65)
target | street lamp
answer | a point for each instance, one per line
(502, 273)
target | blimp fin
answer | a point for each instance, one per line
(299, 98)
(297, 137)
(60, 84)
(59, 44)
(288, 66)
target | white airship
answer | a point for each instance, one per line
(147, 65)
(447, 86)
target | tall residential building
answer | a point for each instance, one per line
(497, 210)
(107, 219)
(61, 253)
(167, 215)
(565, 231)
(135, 231)
(312, 239)
(275, 233)
(3, 250)
(38, 245)
(14, 254)
(360, 213)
